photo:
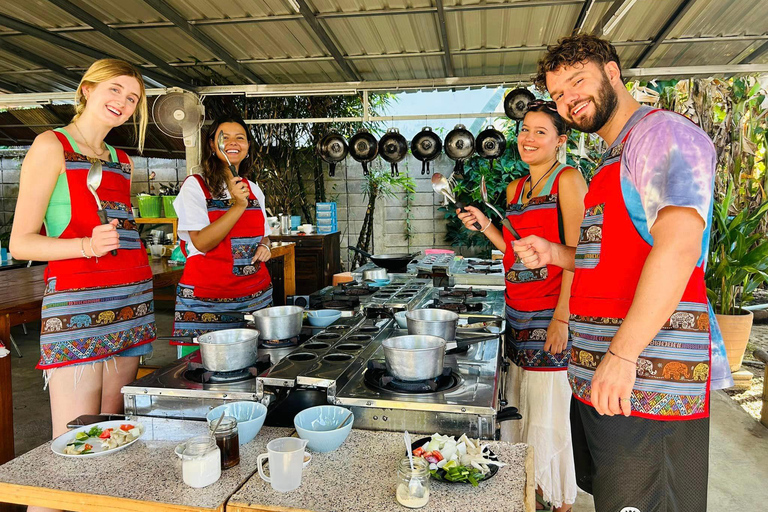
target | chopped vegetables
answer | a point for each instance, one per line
(110, 438)
(450, 460)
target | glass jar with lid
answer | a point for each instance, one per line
(228, 441)
(412, 487)
(200, 462)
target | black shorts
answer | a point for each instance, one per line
(640, 465)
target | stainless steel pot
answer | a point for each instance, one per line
(414, 357)
(375, 273)
(229, 349)
(433, 322)
(278, 322)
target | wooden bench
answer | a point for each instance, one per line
(762, 355)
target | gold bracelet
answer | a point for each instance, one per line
(82, 248)
(90, 243)
(622, 358)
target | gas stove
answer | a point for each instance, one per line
(478, 272)
(403, 293)
(468, 302)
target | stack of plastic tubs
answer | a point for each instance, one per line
(327, 221)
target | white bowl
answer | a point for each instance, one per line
(402, 322)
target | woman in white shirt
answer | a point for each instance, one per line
(224, 232)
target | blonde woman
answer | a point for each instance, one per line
(98, 314)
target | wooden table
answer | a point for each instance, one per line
(21, 299)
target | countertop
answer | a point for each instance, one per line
(144, 476)
(360, 476)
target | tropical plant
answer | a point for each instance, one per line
(379, 183)
(738, 254)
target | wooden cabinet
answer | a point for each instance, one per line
(318, 258)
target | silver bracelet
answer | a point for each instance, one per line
(90, 242)
(486, 226)
(82, 248)
(266, 246)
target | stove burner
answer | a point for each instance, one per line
(337, 358)
(328, 336)
(342, 304)
(335, 328)
(355, 289)
(349, 347)
(279, 343)
(360, 338)
(377, 377)
(315, 345)
(369, 329)
(465, 293)
(301, 356)
(196, 372)
(457, 307)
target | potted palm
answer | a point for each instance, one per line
(738, 264)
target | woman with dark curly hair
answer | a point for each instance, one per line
(224, 232)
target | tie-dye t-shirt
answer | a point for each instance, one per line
(669, 161)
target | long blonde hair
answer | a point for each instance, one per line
(103, 70)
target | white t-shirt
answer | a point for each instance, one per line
(192, 210)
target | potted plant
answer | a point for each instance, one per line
(738, 252)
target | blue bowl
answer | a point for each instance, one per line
(378, 283)
(250, 418)
(401, 320)
(317, 425)
(323, 317)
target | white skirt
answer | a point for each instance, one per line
(544, 399)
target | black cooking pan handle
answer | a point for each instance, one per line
(460, 206)
(508, 413)
(360, 251)
(104, 220)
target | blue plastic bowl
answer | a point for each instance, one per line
(323, 317)
(250, 418)
(317, 425)
(378, 283)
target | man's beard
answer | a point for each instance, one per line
(605, 104)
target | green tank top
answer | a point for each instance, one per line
(59, 211)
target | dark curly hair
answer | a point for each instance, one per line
(215, 171)
(581, 48)
(549, 108)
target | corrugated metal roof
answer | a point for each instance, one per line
(379, 40)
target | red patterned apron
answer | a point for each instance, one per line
(673, 370)
(532, 294)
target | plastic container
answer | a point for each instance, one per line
(295, 221)
(149, 206)
(326, 229)
(168, 209)
(323, 207)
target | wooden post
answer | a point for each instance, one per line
(6, 396)
(530, 481)
(762, 355)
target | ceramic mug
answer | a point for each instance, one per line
(306, 228)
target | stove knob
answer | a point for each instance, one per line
(375, 417)
(463, 409)
(384, 418)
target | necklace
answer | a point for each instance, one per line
(530, 191)
(97, 153)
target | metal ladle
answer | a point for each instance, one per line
(220, 143)
(504, 221)
(93, 180)
(440, 185)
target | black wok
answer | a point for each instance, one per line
(391, 262)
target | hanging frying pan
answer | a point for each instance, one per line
(332, 149)
(393, 148)
(425, 147)
(516, 103)
(363, 147)
(490, 144)
(459, 145)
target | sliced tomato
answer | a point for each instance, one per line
(106, 434)
(127, 427)
(418, 452)
(436, 454)
(87, 447)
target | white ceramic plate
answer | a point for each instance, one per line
(60, 443)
